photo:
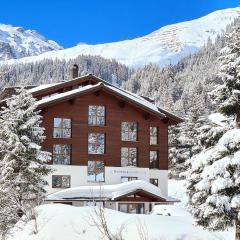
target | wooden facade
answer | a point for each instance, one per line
(115, 114)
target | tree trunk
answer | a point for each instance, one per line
(237, 230)
(237, 120)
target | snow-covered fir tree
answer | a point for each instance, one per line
(22, 162)
(227, 95)
(213, 183)
(213, 177)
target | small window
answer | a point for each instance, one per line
(61, 181)
(129, 131)
(154, 181)
(96, 171)
(153, 135)
(136, 208)
(127, 179)
(153, 159)
(96, 115)
(96, 142)
(62, 128)
(61, 154)
(128, 156)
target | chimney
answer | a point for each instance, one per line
(74, 71)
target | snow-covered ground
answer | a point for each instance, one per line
(61, 222)
(164, 46)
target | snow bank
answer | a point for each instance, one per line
(61, 222)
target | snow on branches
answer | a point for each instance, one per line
(22, 162)
(213, 183)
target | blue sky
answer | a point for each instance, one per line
(98, 21)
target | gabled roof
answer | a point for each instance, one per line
(110, 192)
(96, 85)
(91, 83)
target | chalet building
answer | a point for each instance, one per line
(102, 139)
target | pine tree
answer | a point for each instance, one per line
(227, 95)
(22, 162)
(213, 183)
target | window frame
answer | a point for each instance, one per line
(129, 131)
(62, 128)
(62, 151)
(96, 116)
(152, 136)
(104, 143)
(138, 207)
(154, 179)
(157, 160)
(95, 161)
(129, 155)
(128, 177)
(69, 176)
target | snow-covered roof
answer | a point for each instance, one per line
(134, 98)
(66, 94)
(109, 192)
(43, 86)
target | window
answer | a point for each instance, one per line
(131, 207)
(96, 142)
(62, 128)
(95, 171)
(129, 131)
(128, 156)
(153, 135)
(153, 159)
(96, 115)
(154, 181)
(61, 154)
(61, 181)
(127, 179)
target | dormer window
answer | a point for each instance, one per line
(62, 128)
(129, 131)
(96, 115)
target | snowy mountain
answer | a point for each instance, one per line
(167, 45)
(16, 42)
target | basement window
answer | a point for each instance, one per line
(62, 128)
(61, 154)
(128, 156)
(154, 181)
(96, 171)
(96, 115)
(96, 142)
(60, 181)
(129, 131)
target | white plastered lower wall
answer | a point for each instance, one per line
(112, 176)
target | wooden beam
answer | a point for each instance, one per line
(97, 93)
(44, 110)
(146, 116)
(122, 104)
(71, 101)
(165, 120)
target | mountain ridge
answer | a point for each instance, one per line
(17, 42)
(164, 46)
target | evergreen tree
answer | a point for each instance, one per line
(213, 183)
(227, 95)
(22, 162)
